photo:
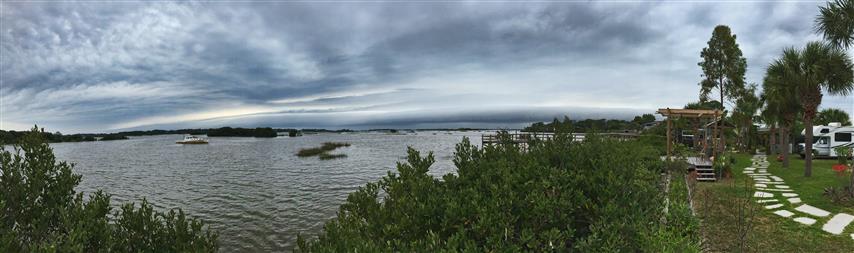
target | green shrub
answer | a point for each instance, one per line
(842, 154)
(41, 212)
(598, 195)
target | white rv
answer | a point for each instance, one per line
(827, 138)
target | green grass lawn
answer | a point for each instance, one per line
(733, 221)
(811, 189)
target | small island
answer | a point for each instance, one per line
(322, 152)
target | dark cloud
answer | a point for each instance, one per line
(105, 66)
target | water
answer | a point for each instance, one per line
(254, 191)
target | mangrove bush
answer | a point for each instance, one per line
(40, 211)
(599, 195)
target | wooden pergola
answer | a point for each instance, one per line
(711, 115)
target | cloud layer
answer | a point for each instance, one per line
(109, 66)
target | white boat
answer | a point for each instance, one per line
(192, 140)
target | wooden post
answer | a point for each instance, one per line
(669, 137)
(715, 135)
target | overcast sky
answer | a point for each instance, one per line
(96, 66)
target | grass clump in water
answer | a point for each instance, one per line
(327, 156)
(323, 150)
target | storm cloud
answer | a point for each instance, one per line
(95, 66)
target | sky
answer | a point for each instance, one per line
(94, 66)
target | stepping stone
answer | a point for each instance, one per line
(805, 220)
(782, 186)
(784, 213)
(774, 182)
(790, 194)
(774, 206)
(747, 172)
(760, 185)
(763, 195)
(852, 236)
(814, 211)
(774, 190)
(776, 178)
(749, 168)
(762, 171)
(794, 200)
(765, 201)
(838, 223)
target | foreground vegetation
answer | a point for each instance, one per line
(41, 212)
(598, 195)
(733, 222)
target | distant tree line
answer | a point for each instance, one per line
(11, 137)
(243, 132)
(592, 125)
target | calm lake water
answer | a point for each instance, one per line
(254, 191)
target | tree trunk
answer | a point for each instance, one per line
(807, 145)
(696, 134)
(721, 122)
(772, 137)
(784, 141)
(748, 136)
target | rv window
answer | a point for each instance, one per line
(825, 130)
(842, 137)
(822, 140)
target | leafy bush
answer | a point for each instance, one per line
(41, 212)
(842, 154)
(839, 195)
(598, 195)
(723, 164)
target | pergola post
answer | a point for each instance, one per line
(697, 115)
(669, 139)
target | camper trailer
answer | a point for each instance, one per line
(827, 138)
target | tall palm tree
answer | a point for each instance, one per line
(819, 66)
(782, 102)
(836, 22)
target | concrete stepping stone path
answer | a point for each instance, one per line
(768, 185)
(838, 223)
(784, 213)
(811, 210)
(805, 220)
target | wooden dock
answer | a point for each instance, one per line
(526, 137)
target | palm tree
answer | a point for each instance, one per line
(768, 116)
(832, 115)
(819, 66)
(781, 103)
(836, 22)
(746, 106)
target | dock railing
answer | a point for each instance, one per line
(526, 137)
